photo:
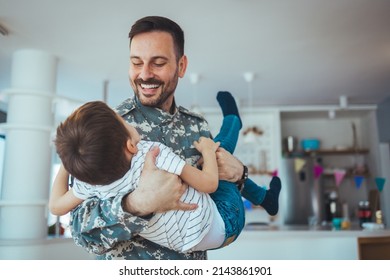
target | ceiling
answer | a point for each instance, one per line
(302, 52)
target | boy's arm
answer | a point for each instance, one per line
(61, 199)
(205, 180)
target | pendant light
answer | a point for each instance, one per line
(252, 133)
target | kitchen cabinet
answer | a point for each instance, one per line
(348, 148)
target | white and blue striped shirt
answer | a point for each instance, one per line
(178, 230)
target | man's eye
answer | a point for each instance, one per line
(136, 62)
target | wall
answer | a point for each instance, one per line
(383, 117)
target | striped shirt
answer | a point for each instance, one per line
(177, 230)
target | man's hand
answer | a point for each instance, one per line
(158, 190)
(229, 167)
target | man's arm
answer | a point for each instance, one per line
(97, 225)
(148, 198)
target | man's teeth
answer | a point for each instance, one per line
(149, 86)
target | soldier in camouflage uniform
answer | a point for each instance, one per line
(109, 228)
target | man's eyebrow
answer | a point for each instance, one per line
(153, 58)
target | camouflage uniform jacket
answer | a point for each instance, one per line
(101, 226)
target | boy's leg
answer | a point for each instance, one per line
(229, 203)
(268, 199)
(227, 197)
(228, 134)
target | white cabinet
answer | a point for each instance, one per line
(261, 155)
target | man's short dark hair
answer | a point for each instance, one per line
(158, 23)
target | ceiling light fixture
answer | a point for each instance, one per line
(194, 79)
(251, 134)
(249, 77)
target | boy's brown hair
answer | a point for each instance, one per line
(91, 143)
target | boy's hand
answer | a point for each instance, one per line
(206, 145)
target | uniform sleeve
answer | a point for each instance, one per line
(97, 225)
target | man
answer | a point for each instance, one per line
(109, 228)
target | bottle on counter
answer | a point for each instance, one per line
(333, 207)
(364, 212)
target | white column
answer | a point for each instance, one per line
(27, 159)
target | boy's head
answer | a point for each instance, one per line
(92, 144)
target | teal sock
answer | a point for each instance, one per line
(227, 103)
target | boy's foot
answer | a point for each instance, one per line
(227, 103)
(271, 199)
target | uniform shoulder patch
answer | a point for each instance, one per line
(125, 107)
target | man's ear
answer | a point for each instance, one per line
(183, 62)
(131, 147)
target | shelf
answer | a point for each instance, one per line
(326, 152)
(350, 173)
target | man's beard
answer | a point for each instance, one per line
(167, 90)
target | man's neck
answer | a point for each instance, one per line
(172, 110)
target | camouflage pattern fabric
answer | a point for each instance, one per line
(101, 226)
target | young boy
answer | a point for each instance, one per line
(106, 156)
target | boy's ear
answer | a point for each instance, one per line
(131, 147)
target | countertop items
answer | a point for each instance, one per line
(310, 144)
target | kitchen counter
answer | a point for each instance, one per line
(294, 242)
(303, 230)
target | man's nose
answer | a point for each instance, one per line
(146, 73)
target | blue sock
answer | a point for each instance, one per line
(271, 199)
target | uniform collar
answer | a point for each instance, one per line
(152, 114)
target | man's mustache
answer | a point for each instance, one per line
(150, 81)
